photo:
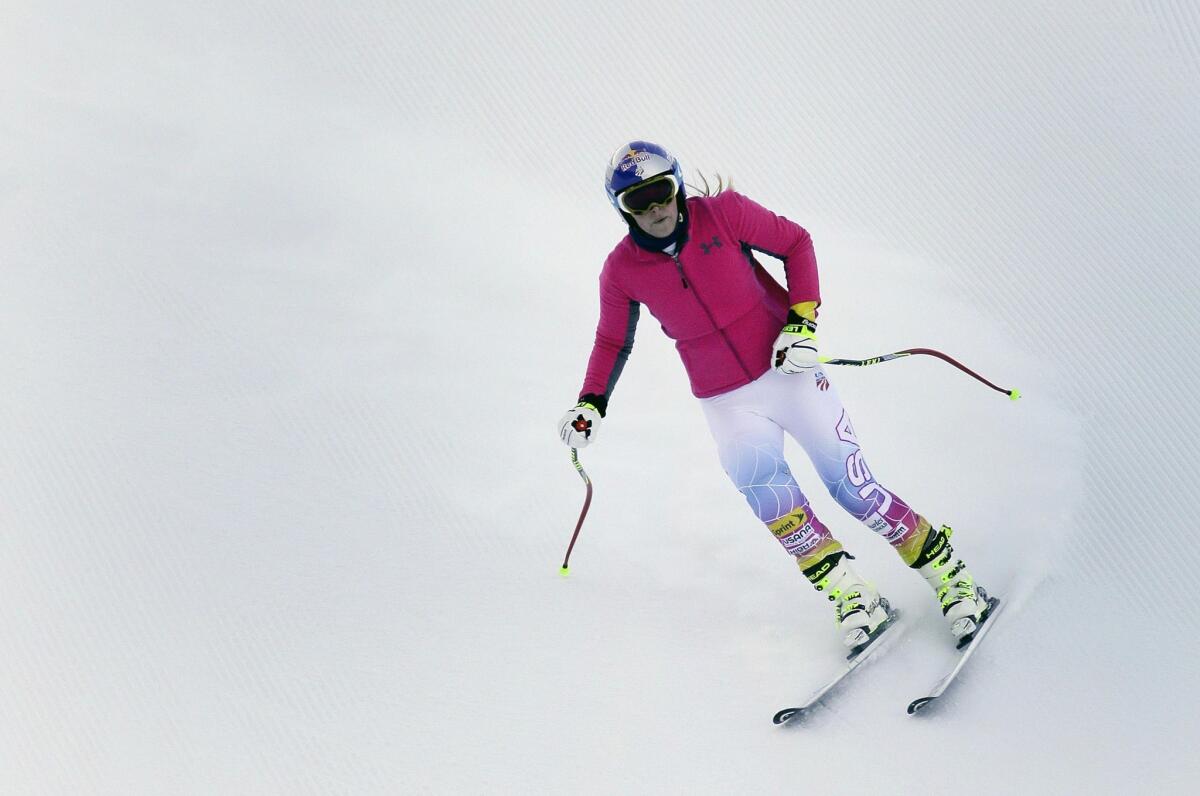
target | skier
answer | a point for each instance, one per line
(750, 350)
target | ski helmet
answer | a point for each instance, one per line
(634, 163)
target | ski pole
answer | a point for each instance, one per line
(1012, 394)
(587, 501)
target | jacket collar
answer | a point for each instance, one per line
(645, 247)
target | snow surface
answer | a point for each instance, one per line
(293, 294)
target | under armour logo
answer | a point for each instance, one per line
(716, 244)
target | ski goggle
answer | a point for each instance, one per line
(650, 194)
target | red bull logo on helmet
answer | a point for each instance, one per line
(631, 159)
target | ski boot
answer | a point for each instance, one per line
(861, 613)
(964, 603)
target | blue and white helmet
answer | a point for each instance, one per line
(636, 162)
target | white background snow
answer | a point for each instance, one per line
(293, 294)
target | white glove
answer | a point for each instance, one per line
(796, 348)
(578, 427)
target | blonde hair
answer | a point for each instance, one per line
(723, 184)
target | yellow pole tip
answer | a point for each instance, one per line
(1015, 394)
(564, 571)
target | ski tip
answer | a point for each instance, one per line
(786, 715)
(917, 704)
(564, 571)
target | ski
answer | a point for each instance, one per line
(967, 648)
(859, 655)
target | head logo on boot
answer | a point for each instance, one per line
(935, 544)
(819, 570)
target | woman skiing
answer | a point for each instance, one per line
(750, 350)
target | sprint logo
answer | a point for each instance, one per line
(789, 523)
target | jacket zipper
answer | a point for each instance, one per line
(711, 319)
(682, 278)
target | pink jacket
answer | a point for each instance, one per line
(714, 299)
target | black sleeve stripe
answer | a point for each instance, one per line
(626, 348)
(764, 251)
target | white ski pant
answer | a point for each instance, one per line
(748, 425)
